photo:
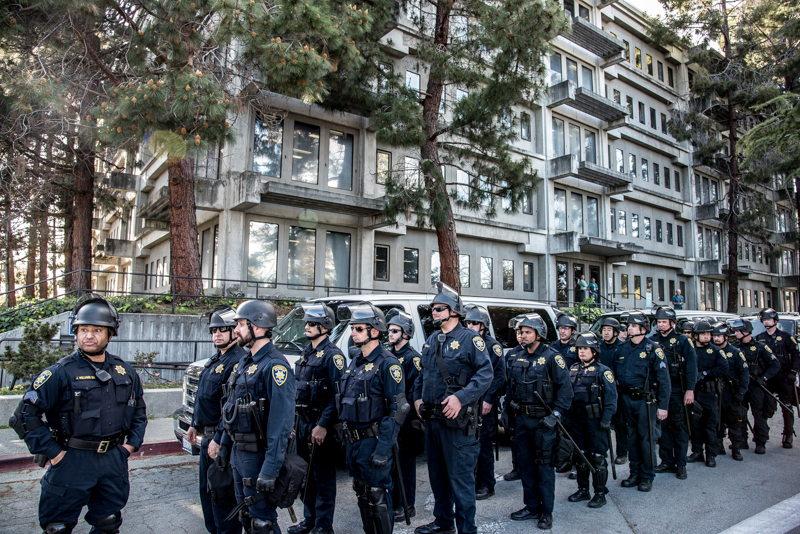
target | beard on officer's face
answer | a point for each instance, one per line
(244, 340)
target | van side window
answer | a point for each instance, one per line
(426, 319)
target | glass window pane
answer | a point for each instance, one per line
(462, 189)
(558, 137)
(659, 234)
(638, 54)
(486, 272)
(583, 12)
(560, 209)
(340, 160)
(624, 285)
(555, 68)
(525, 126)
(305, 153)
(381, 263)
(649, 64)
(384, 165)
(527, 276)
(647, 233)
(656, 176)
(667, 177)
(669, 233)
(302, 257)
(634, 225)
(700, 250)
(663, 123)
(632, 165)
(642, 118)
(586, 74)
(592, 220)
(620, 160)
(463, 269)
(644, 170)
(435, 267)
(337, 261)
(677, 182)
(660, 71)
(262, 253)
(572, 71)
(410, 265)
(637, 287)
(508, 275)
(622, 222)
(412, 172)
(680, 235)
(576, 210)
(561, 282)
(629, 103)
(267, 147)
(589, 147)
(412, 80)
(670, 77)
(575, 141)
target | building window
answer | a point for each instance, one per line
(555, 68)
(660, 285)
(508, 275)
(663, 123)
(147, 283)
(558, 137)
(576, 209)
(589, 144)
(305, 153)
(660, 72)
(649, 287)
(410, 265)
(383, 166)
(613, 221)
(462, 189)
(381, 263)
(262, 253)
(267, 147)
(649, 59)
(700, 242)
(677, 181)
(645, 176)
(412, 172)
(575, 141)
(627, 50)
(340, 160)
(670, 77)
(669, 233)
(583, 12)
(302, 257)
(638, 54)
(637, 287)
(634, 225)
(622, 222)
(527, 276)
(525, 126)
(629, 103)
(591, 217)
(632, 165)
(624, 285)
(617, 97)
(486, 272)
(412, 80)
(572, 71)
(659, 236)
(656, 175)
(337, 261)
(160, 273)
(527, 202)
(667, 178)
(463, 269)
(560, 209)
(435, 267)
(653, 120)
(620, 161)
(587, 78)
(647, 233)
(642, 115)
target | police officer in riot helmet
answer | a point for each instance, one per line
(673, 445)
(207, 414)
(317, 371)
(411, 438)
(686, 328)
(88, 455)
(763, 365)
(507, 418)
(478, 319)
(644, 387)
(372, 406)
(734, 388)
(257, 416)
(538, 394)
(566, 325)
(711, 366)
(784, 347)
(593, 405)
(456, 373)
(610, 330)
(623, 321)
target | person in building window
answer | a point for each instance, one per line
(594, 293)
(677, 300)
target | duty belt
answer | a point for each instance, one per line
(357, 434)
(635, 393)
(96, 446)
(534, 410)
(209, 431)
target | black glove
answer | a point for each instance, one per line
(224, 456)
(265, 484)
(759, 380)
(605, 425)
(738, 398)
(378, 461)
(550, 421)
(791, 377)
(504, 421)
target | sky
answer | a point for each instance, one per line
(651, 7)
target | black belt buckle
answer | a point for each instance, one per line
(102, 447)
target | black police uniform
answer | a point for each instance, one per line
(507, 418)
(711, 366)
(367, 402)
(594, 400)
(411, 438)
(641, 370)
(316, 373)
(453, 452)
(763, 365)
(260, 431)
(734, 389)
(207, 420)
(784, 347)
(607, 353)
(544, 372)
(485, 470)
(567, 350)
(681, 358)
(91, 420)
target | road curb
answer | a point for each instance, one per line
(155, 448)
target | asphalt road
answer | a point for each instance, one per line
(164, 498)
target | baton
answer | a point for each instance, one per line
(611, 452)
(309, 473)
(566, 434)
(396, 455)
(796, 400)
(497, 434)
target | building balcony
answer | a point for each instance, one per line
(569, 165)
(709, 268)
(122, 181)
(572, 243)
(208, 196)
(596, 40)
(745, 271)
(786, 238)
(708, 211)
(589, 102)
(121, 248)
(791, 280)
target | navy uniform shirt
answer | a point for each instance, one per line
(462, 349)
(737, 367)
(631, 366)
(567, 350)
(677, 344)
(541, 365)
(410, 359)
(711, 363)
(264, 375)
(784, 347)
(385, 382)
(323, 365)
(583, 375)
(207, 408)
(105, 409)
(761, 362)
(496, 388)
(607, 351)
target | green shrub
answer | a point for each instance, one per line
(34, 353)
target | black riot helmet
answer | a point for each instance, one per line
(531, 320)
(638, 318)
(478, 314)
(687, 325)
(701, 327)
(93, 309)
(441, 293)
(220, 317)
(258, 312)
(320, 314)
(768, 313)
(402, 319)
(720, 328)
(666, 312)
(565, 319)
(741, 325)
(363, 313)
(610, 321)
(589, 340)
(623, 318)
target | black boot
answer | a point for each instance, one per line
(382, 516)
(303, 527)
(582, 474)
(631, 482)
(108, 525)
(262, 526)
(58, 528)
(787, 440)
(760, 448)
(599, 481)
(695, 457)
(736, 455)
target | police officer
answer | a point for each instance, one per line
(673, 445)
(686, 328)
(411, 438)
(734, 388)
(207, 414)
(610, 329)
(566, 325)
(643, 383)
(711, 366)
(538, 375)
(507, 418)
(456, 373)
(372, 407)
(318, 370)
(88, 455)
(257, 416)
(478, 320)
(763, 365)
(784, 347)
(593, 405)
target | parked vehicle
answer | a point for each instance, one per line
(788, 322)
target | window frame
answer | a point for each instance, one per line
(387, 248)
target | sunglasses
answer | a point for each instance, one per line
(360, 329)
(394, 330)
(474, 323)
(221, 329)
(440, 309)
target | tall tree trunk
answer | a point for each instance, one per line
(11, 298)
(82, 218)
(733, 221)
(44, 244)
(67, 210)
(184, 252)
(30, 272)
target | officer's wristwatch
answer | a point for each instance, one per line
(556, 413)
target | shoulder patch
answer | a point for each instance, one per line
(609, 376)
(338, 361)
(236, 368)
(743, 358)
(279, 374)
(690, 341)
(42, 378)
(479, 343)
(31, 396)
(768, 349)
(397, 373)
(498, 350)
(417, 363)
(660, 353)
(560, 362)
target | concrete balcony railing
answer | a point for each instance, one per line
(586, 101)
(569, 165)
(596, 40)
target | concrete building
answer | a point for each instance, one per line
(294, 207)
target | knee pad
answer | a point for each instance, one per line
(377, 497)
(359, 487)
(262, 526)
(58, 528)
(109, 524)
